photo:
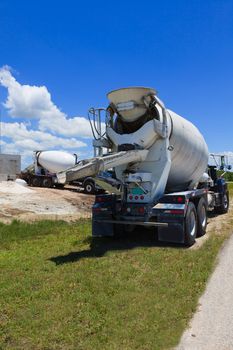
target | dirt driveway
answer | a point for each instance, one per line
(29, 204)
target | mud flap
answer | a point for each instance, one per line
(173, 233)
(100, 229)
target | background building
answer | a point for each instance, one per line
(10, 166)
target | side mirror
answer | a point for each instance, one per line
(229, 167)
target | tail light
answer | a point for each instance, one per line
(141, 210)
(175, 211)
(180, 199)
(102, 199)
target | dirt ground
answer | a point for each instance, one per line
(24, 203)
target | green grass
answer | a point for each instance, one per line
(59, 289)
(230, 187)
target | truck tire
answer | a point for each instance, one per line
(47, 182)
(89, 187)
(190, 225)
(201, 217)
(35, 182)
(223, 208)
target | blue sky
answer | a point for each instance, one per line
(78, 51)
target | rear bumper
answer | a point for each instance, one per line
(168, 230)
(136, 223)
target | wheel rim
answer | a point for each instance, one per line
(192, 223)
(203, 217)
(225, 201)
(88, 188)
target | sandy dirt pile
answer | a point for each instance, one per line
(21, 202)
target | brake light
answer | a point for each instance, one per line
(101, 199)
(176, 211)
(141, 210)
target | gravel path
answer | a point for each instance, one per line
(212, 325)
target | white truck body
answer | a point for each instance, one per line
(159, 160)
(177, 154)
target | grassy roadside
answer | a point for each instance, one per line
(230, 187)
(59, 289)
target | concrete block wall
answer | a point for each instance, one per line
(10, 166)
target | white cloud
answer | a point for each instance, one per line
(35, 139)
(77, 126)
(24, 100)
(24, 142)
(34, 102)
(44, 125)
(20, 140)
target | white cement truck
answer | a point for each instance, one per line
(42, 173)
(160, 164)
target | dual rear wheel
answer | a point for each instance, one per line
(195, 221)
(36, 181)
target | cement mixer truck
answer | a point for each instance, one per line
(42, 173)
(160, 162)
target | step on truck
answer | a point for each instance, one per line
(160, 164)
